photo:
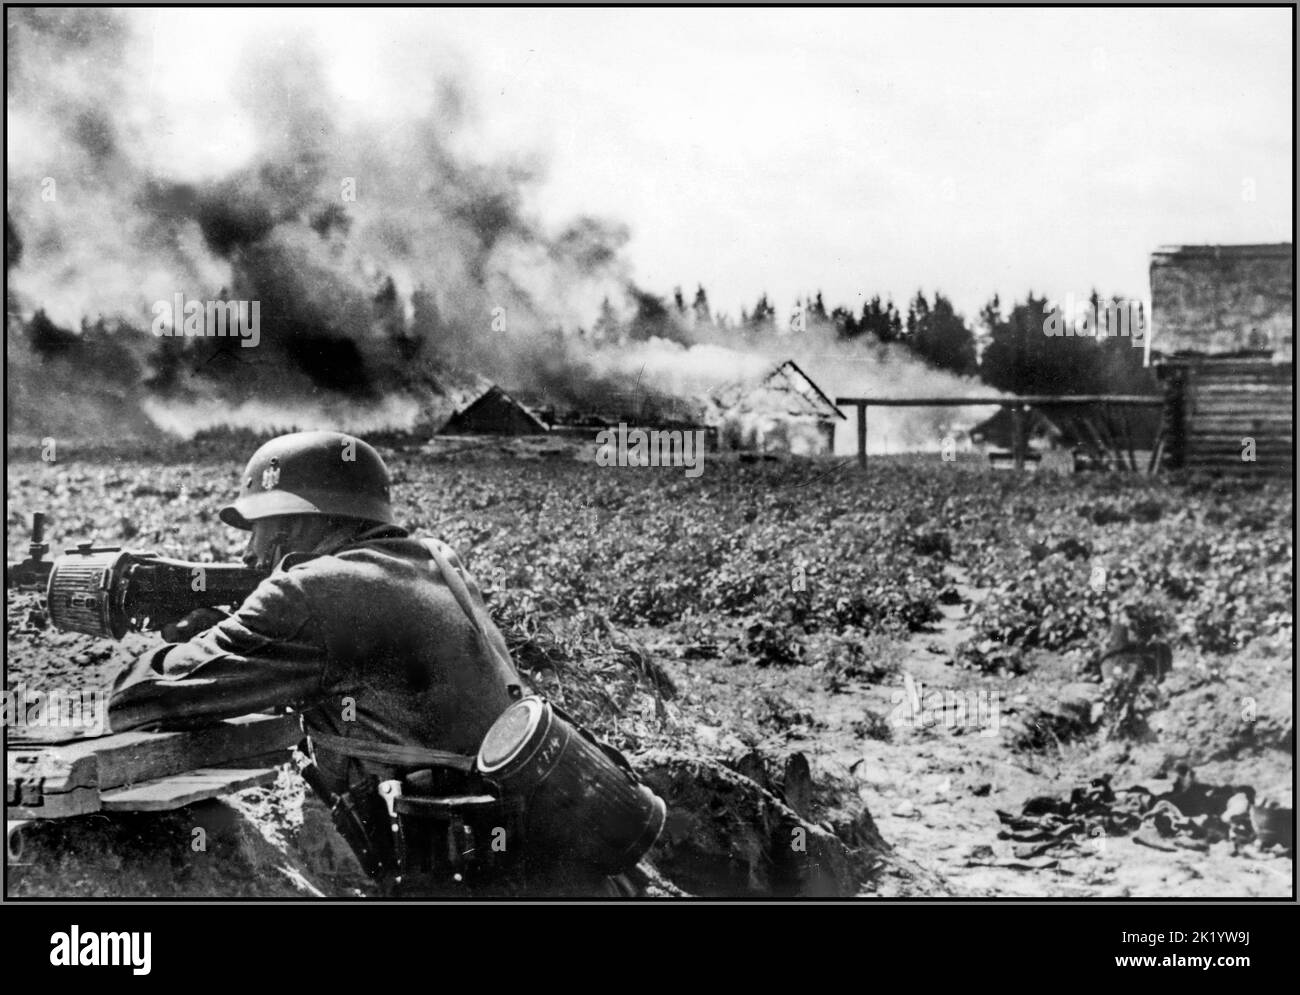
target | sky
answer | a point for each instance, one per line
(854, 152)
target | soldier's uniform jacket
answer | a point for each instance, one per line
(365, 638)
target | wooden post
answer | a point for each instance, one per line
(862, 435)
(1018, 436)
(1156, 452)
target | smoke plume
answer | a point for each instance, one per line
(394, 270)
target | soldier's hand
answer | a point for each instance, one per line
(199, 620)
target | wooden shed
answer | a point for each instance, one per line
(785, 411)
(495, 413)
(1222, 342)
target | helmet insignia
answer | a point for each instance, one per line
(271, 475)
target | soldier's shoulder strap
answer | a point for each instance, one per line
(456, 583)
(460, 591)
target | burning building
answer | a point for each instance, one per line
(784, 412)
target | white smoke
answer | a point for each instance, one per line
(185, 419)
(157, 189)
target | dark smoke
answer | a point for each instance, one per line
(363, 297)
(395, 270)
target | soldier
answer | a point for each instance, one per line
(380, 640)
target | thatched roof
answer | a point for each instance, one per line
(494, 412)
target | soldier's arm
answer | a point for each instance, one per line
(269, 653)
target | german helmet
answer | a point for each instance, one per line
(312, 473)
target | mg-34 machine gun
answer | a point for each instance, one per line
(107, 591)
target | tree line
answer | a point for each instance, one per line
(1007, 348)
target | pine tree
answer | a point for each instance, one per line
(877, 320)
(763, 316)
(701, 307)
(817, 309)
(941, 337)
(846, 325)
(895, 322)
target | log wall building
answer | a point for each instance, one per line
(1222, 340)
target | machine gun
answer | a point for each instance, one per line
(108, 591)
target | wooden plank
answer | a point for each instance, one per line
(1229, 421)
(1234, 456)
(1279, 402)
(179, 790)
(1208, 430)
(1235, 433)
(1243, 417)
(58, 780)
(1126, 431)
(1204, 367)
(1232, 440)
(1240, 410)
(1233, 451)
(1232, 444)
(1225, 425)
(1275, 400)
(1227, 464)
(1234, 387)
(1231, 386)
(1236, 402)
(1140, 400)
(1157, 452)
(148, 755)
(1229, 442)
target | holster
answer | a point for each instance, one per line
(356, 816)
(445, 829)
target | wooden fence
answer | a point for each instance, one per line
(1018, 406)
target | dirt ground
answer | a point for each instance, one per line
(753, 742)
(934, 791)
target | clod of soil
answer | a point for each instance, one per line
(727, 835)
